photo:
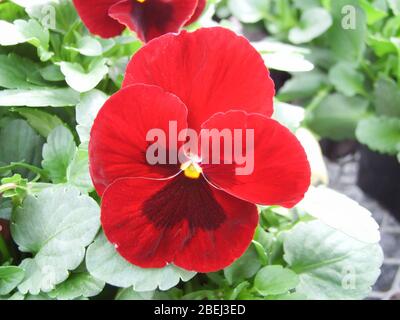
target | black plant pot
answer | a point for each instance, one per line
(337, 149)
(279, 78)
(379, 177)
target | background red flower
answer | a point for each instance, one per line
(148, 18)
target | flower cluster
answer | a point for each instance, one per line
(198, 216)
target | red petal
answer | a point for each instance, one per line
(181, 221)
(197, 13)
(118, 138)
(94, 14)
(211, 70)
(153, 18)
(281, 173)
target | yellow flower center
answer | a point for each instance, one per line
(191, 170)
(141, 1)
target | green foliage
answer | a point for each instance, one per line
(54, 78)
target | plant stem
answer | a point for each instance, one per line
(5, 253)
(17, 165)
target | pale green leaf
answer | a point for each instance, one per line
(248, 11)
(43, 97)
(78, 170)
(273, 280)
(10, 277)
(58, 153)
(55, 226)
(331, 264)
(313, 23)
(341, 213)
(83, 80)
(104, 263)
(80, 284)
(86, 111)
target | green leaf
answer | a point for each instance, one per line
(5, 208)
(374, 14)
(10, 11)
(348, 32)
(83, 80)
(303, 85)
(331, 264)
(337, 116)
(20, 143)
(289, 115)
(10, 277)
(243, 268)
(104, 263)
(380, 134)
(394, 6)
(381, 45)
(130, 294)
(88, 46)
(86, 111)
(55, 226)
(288, 296)
(386, 97)
(18, 73)
(52, 72)
(288, 62)
(341, 213)
(306, 4)
(313, 23)
(39, 120)
(43, 97)
(248, 11)
(58, 153)
(80, 284)
(274, 280)
(78, 170)
(347, 79)
(30, 31)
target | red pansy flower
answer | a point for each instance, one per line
(198, 216)
(148, 18)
